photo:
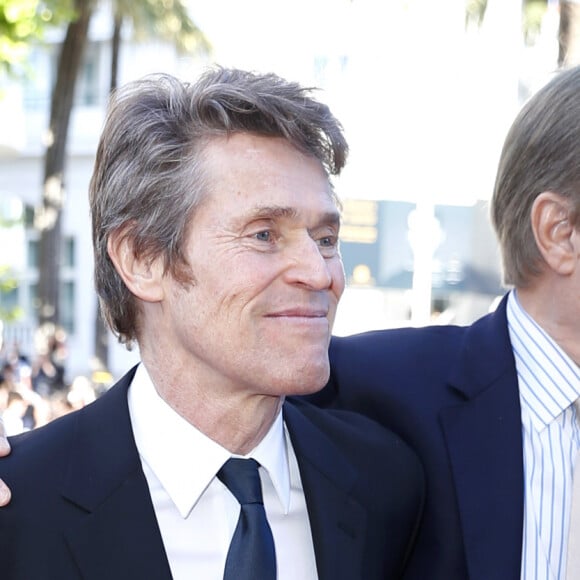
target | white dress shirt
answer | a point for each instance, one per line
(197, 514)
(549, 383)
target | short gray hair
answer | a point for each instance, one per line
(541, 153)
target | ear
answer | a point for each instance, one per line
(555, 234)
(142, 276)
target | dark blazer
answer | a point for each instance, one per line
(452, 394)
(81, 506)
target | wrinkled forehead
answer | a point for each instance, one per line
(265, 172)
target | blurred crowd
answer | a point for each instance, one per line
(34, 389)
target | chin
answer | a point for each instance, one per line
(306, 381)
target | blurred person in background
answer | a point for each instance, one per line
(48, 373)
(13, 413)
(16, 379)
(81, 393)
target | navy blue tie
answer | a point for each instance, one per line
(251, 555)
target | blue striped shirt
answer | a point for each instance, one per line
(549, 383)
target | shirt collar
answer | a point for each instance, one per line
(549, 380)
(183, 459)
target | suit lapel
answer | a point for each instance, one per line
(337, 521)
(484, 442)
(119, 538)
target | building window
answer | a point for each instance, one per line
(41, 77)
(32, 305)
(67, 306)
(68, 253)
(67, 284)
(9, 296)
(88, 82)
(68, 260)
(32, 254)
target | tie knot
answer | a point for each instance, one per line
(241, 477)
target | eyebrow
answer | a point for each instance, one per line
(273, 211)
(276, 211)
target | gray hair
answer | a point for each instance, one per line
(541, 153)
(148, 177)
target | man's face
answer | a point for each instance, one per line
(263, 251)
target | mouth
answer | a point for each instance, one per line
(300, 313)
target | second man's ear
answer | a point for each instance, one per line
(142, 275)
(555, 233)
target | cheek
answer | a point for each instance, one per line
(238, 288)
(338, 277)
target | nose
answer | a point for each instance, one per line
(308, 267)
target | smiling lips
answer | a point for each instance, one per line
(312, 322)
(300, 313)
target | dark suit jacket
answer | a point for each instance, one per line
(81, 506)
(452, 394)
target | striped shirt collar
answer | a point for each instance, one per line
(549, 380)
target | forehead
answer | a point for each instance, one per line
(256, 171)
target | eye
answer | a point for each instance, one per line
(328, 246)
(327, 242)
(264, 236)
